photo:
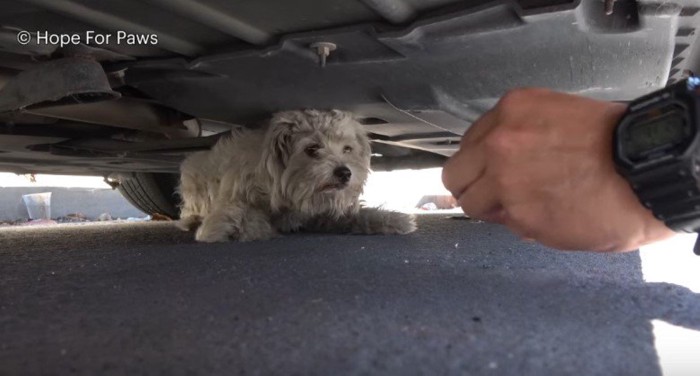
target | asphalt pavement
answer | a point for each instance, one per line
(457, 297)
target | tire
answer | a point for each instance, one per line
(152, 193)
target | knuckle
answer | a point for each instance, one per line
(500, 142)
(515, 98)
(446, 176)
(452, 175)
(503, 182)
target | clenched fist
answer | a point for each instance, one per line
(540, 162)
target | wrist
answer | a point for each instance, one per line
(653, 153)
(649, 229)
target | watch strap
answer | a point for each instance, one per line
(672, 194)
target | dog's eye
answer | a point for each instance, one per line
(347, 149)
(312, 150)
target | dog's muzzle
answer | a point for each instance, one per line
(341, 179)
(343, 174)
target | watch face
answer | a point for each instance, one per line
(656, 133)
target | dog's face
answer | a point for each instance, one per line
(318, 161)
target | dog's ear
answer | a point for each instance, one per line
(277, 149)
(278, 142)
(364, 142)
(361, 134)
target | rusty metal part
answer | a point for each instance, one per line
(93, 53)
(64, 80)
(78, 89)
(123, 113)
(112, 182)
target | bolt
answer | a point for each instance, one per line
(323, 49)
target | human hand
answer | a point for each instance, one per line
(540, 162)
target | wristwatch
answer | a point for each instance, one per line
(657, 149)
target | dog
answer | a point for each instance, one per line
(304, 172)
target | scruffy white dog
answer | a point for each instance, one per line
(305, 171)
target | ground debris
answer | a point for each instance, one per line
(15, 222)
(73, 218)
(160, 217)
(40, 222)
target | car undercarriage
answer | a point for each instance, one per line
(143, 83)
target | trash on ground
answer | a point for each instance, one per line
(73, 218)
(16, 222)
(38, 205)
(77, 216)
(139, 219)
(429, 206)
(160, 217)
(40, 222)
(437, 202)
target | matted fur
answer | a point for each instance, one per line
(257, 183)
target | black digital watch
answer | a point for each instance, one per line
(657, 149)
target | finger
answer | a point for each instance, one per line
(463, 169)
(480, 128)
(482, 201)
(468, 164)
(519, 221)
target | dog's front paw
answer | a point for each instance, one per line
(189, 223)
(207, 234)
(398, 223)
(259, 231)
(287, 222)
(375, 221)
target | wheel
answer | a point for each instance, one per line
(152, 193)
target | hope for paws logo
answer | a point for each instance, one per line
(89, 37)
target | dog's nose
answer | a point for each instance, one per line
(343, 174)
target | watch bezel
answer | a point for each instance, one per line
(638, 112)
